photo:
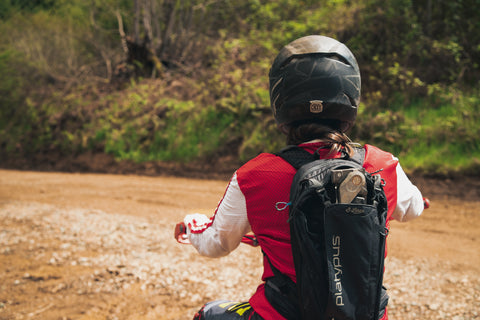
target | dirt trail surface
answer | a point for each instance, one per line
(97, 246)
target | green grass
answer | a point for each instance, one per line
(438, 136)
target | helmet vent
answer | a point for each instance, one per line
(352, 101)
(332, 56)
(288, 61)
(337, 57)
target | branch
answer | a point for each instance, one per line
(121, 31)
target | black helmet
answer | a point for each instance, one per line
(315, 77)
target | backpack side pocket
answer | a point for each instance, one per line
(354, 246)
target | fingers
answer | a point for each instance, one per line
(180, 233)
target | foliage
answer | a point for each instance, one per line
(406, 45)
(15, 112)
(165, 80)
(435, 135)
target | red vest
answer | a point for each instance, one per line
(266, 180)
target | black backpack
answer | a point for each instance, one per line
(337, 224)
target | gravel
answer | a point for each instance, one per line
(124, 251)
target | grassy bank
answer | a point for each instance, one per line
(436, 136)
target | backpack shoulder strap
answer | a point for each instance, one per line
(359, 156)
(281, 292)
(296, 156)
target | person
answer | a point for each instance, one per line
(315, 94)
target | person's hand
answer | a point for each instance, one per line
(181, 233)
(426, 203)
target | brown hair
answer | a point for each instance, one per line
(334, 138)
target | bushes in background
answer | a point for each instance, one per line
(91, 76)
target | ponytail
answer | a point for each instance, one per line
(335, 139)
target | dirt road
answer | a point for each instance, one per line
(91, 246)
